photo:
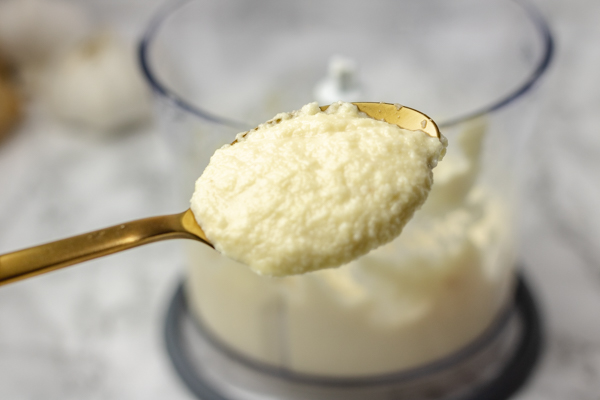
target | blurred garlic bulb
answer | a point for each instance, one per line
(10, 107)
(98, 85)
(32, 31)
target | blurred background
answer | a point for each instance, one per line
(79, 150)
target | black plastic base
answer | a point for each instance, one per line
(511, 376)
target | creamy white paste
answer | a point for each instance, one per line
(422, 297)
(310, 190)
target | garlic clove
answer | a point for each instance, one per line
(98, 85)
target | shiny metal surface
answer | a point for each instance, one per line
(62, 253)
(404, 117)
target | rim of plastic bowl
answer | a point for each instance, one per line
(160, 88)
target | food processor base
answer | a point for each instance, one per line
(493, 367)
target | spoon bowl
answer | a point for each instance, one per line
(405, 117)
(62, 253)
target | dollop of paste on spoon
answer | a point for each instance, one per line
(314, 189)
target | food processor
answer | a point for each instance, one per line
(442, 312)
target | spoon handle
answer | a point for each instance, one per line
(48, 257)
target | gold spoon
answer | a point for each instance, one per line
(62, 253)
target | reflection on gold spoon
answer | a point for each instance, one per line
(48, 257)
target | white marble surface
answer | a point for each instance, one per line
(95, 331)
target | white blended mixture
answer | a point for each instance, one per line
(314, 189)
(423, 296)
